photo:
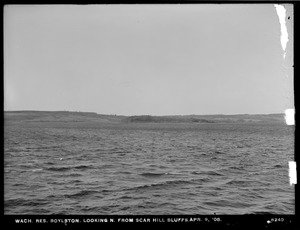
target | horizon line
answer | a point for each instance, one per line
(113, 114)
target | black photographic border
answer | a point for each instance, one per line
(265, 221)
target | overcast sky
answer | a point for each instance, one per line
(147, 59)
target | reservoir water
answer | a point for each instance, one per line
(102, 169)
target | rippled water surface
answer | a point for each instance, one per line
(61, 168)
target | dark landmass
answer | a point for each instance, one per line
(59, 116)
(67, 116)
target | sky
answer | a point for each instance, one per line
(168, 59)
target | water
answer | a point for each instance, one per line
(85, 168)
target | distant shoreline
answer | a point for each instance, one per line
(73, 116)
(65, 111)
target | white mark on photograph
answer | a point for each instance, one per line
(290, 116)
(292, 172)
(284, 38)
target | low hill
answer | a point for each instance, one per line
(59, 116)
(242, 118)
(68, 116)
